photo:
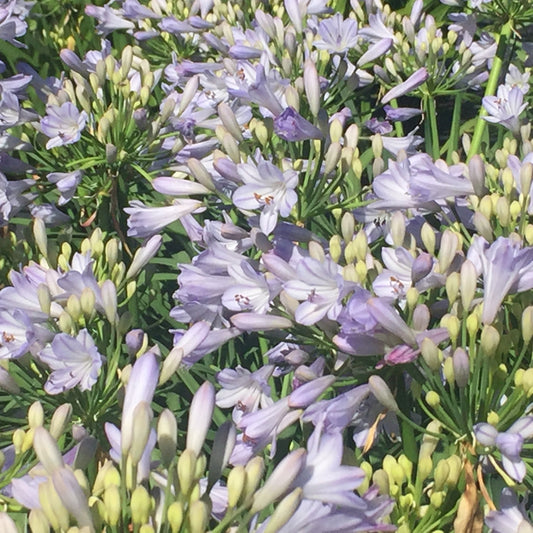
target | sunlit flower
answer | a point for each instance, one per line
(63, 124)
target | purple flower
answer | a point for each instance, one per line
(146, 221)
(376, 126)
(509, 443)
(74, 361)
(267, 188)
(63, 124)
(506, 107)
(337, 35)
(66, 183)
(411, 83)
(244, 389)
(401, 113)
(323, 477)
(511, 518)
(505, 267)
(291, 126)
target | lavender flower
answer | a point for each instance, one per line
(63, 124)
(337, 35)
(411, 83)
(505, 267)
(511, 518)
(74, 361)
(505, 107)
(266, 187)
(291, 126)
(509, 443)
(66, 183)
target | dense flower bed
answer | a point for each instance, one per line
(266, 266)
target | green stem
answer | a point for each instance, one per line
(503, 40)
(432, 144)
(454, 129)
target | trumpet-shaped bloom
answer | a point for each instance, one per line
(509, 443)
(63, 124)
(291, 126)
(267, 188)
(506, 267)
(337, 35)
(511, 517)
(505, 107)
(74, 361)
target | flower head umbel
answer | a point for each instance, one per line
(74, 361)
(63, 124)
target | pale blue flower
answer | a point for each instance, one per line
(74, 361)
(63, 124)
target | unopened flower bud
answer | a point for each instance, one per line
(383, 394)
(527, 324)
(229, 120)
(60, 420)
(223, 445)
(142, 419)
(44, 297)
(492, 418)
(53, 507)
(236, 482)
(312, 86)
(109, 300)
(35, 415)
(421, 317)
(472, 325)
(284, 511)
(198, 517)
(279, 481)
(447, 370)
(427, 234)
(468, 282)
(448, 248)
(490, 338)
(432, 399)
(254, 472)
(39, 233)
(175, 516)
(87, 301)
(335, 248)
(167, 436)
(502, 211)
(422, 266)
(430, 353)
(333, 156)
(454, 471)
(200, 414)
(347, 227)
(452, 286)
(186, 470)
(437, 499)
(112, 505)
(38, 522)
(461, 367)
(425, 467)
(381, 479)
(141, 505)
(476, 173)
(18, 439)
(47, 450)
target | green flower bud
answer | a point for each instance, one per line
(455, 466)
(441, 473)
(381, 479)
(254, 472)
(472, 325)
(468, 283)
(427, 234)
(167, 436)
(236, 482)
(52, 506)
(87, 301)
(431, 354)
(112, 505)
(347, 227)
(147, 528)
(45, 299)
(397, 228)
(351, 136)
(449, 245)
(335, 248)
(198, 517)
(383, 394)
(60, 420)
(527, 324)
(35, 415)
(406, 465)
(186, 469)
(47, 450)
(175, 516)
(38, 522)
(433, 399)
(493, 418)
(437, 499)
(284, 511)
(142, 419)
(452, 286)
(279, 481)
(425, 467)
(141, 505)
(483, 226)
(333, 156)
(39, 233)
(490, 339)
(18, 439)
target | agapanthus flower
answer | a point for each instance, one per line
(66, 183)
(410, 84)
(244, 390)
(506, 268)
(268, 188)
(337, 35)
(73, 360)
(63, 124)
(511, 517)
(505, 107)
(509, 443)
(289, 125)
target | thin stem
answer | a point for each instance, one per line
(432, 144)
(454, 129)
(503, 39)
